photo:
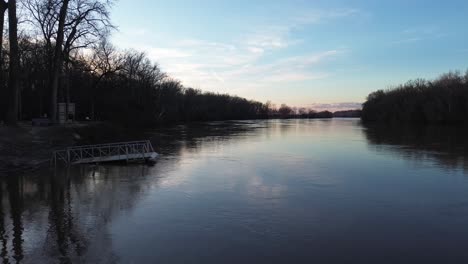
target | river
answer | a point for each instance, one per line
(274, 191)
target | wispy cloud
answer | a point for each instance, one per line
(278, 35)
(164, 53)
(407, 40)
(415, 34)
(290, 76)
(290, 68)
(320, 16)
(257, 58)
(267, 41)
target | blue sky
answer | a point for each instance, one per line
(320, 54)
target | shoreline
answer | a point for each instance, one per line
(26, 148)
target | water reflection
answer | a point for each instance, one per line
(58, 217)
(192, 137)
(62, 216)
(251, 192)
(445, 146)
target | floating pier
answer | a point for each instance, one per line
(123, 151)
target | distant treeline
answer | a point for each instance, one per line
(286, 111)
(348, 114)
(444, 100)
(61, 54)
(126, 87)
(120, 86)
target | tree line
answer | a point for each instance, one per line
(42, 50)
(285, 111)
(58, 51)
(443, 100)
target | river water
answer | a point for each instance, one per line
(276, 191)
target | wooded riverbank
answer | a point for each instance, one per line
(440, 101)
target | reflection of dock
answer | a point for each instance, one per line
(123, 151)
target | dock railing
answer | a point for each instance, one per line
(132, 150)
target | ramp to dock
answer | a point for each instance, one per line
(122, 151)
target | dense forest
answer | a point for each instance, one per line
(58, 51)
(443, 100)
(61, 53)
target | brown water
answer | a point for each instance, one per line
(288, 191)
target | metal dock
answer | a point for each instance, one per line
(122, 151)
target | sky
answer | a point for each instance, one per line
(306, 53)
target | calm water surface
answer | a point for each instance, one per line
(291, 191)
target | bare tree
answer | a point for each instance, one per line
(65, 47)
(88, 23)
(58, 59)
(13, 82)
(3, 8)
(104, 61)
(82, 23)
(44, 15)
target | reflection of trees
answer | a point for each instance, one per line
(3, 235)
(192, 137)
(62, 216)
(16, 208)
(446, 145)
(61, 224)
(11, 225)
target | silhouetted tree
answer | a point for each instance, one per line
(444, 100)
(3, 101)
(104, 61)
(66, 27)
(58, 59)
(285, 111)
(13, 82)
(323, 114)
(64, 55)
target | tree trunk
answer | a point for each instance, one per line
(13, 82)
(3, 8)
(58, 60)
(67, 89)
(20, 101)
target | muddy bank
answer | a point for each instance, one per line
(24, 148)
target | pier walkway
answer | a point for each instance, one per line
(123, 151)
